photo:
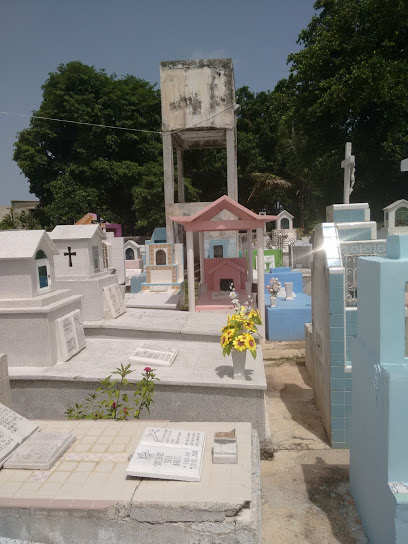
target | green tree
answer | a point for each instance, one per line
(348, 83)
(74, 169)
(22, 221)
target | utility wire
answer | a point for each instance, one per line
(116, 127)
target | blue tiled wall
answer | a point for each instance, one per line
(136, 283)
(351, 330)
(340, 381)
(358, 233)
(286, 274)
(348, 216)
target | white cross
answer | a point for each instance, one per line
(404, 165)
(349, 165)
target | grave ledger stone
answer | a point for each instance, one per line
(40, 451)
(14, 429)
(168, 454)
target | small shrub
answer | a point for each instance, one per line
(110, 402)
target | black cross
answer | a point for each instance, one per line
(69, 254)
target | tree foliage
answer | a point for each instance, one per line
(74, 169)
(20, 221)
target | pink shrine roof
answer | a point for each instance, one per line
(203, 220)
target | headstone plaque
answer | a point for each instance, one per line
(158, 288)
(154, 354)
(168, 454)
(114, 304)
(70, 335)
(40, 452)
(14, 429)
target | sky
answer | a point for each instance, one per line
(132, 37)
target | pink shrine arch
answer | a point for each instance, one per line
(212, 271)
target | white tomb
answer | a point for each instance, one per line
(31, 300)
(395, 219)
(79, 266)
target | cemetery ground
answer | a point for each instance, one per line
(305, 488)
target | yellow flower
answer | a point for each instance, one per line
(225, 338)
(249, 325)
(250, 342)
(239, 343)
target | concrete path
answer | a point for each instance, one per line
(305, 489)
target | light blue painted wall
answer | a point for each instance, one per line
(379, 426)
(136, 283)
(288, 275)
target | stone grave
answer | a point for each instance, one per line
(70, 334)
(79, 266)
(30, 300)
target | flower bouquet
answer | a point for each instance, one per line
(273, 287)
(237, 333)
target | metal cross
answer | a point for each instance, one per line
(69, 254)
(349, 165)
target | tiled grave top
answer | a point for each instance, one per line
(198, 364)
(91, 475)
(15, 541)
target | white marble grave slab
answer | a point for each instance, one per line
(158, 288)
(40, 452)
(113, 300)
(14, 429)
(70, 335)
(220, 295)
(168, 454)
(154, 354)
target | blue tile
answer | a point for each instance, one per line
(336, 280)
(336, 333)
(337, 410)
(337, 435)
(337, 372)
(336, 306)
(339, 446)
(337, 346)
(337, 293)
(337, 359)
(347, 397)
(348, 384)
(347, 423)
(337, 397)
(337, 384)
(337, 423)
(336, 320)
(347, 410)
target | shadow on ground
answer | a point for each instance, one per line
(328, 489)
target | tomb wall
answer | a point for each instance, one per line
(5, 396)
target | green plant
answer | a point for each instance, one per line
(110, 402)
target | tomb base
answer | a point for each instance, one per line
(91, 289)
(32, 323)
(104, 506)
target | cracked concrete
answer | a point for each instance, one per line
(305, 488)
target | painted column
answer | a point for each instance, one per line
(190, 271)
(180, 175)
(260, 266)
(202, 272)
(232, 176)
(168, 167)
(250, 257)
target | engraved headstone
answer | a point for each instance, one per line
(114, 304)
(14, 429)
(168, 454)
(70, 335)
(40, 452)
(155, 354)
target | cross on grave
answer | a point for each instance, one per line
(349, 165)
(69, 254)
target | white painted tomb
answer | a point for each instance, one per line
(14, 430)
(30, 300)
(79, 266)
(115, 255)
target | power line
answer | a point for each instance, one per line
(116, 127)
